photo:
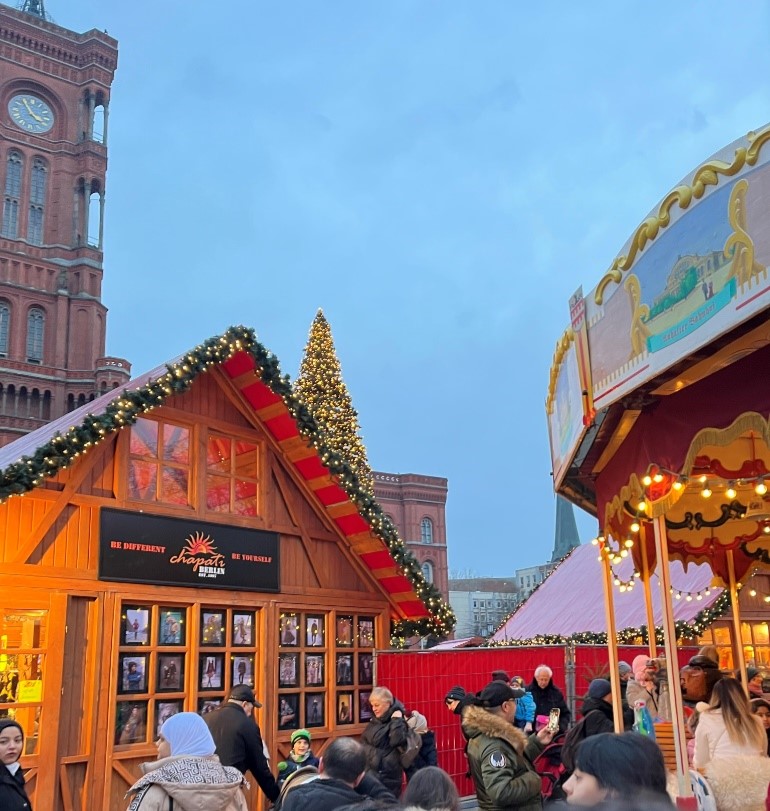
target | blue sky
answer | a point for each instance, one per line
(438, 176)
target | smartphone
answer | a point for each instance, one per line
(553, 720)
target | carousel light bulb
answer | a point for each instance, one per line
(752, 592)
(624, 553)
(767, 599)
(731, 492)
(760, 488)
(647, 480)
(678, 484)
(642, 506)
(689, 598)
(616, 581)
(628, 543)
(678, 595)
(635, 527)
(706, 492)
(703, 479)
(622, 588)
(657, 478)
(595, 541)
(766, 529)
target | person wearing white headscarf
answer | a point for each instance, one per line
(187, 775)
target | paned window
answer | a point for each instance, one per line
(12, 193)
(24, 638)
(35, 334)
(5, 324)
(232, 475)
(36, 202)
(159, 463)
(426, 530)
(427, 571)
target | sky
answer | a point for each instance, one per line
(438, 176)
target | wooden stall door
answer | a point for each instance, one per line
(76, 778)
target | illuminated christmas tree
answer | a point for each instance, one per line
(321, 387)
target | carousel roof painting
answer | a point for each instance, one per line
(254, 373)
(568, 602)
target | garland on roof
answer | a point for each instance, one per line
(61, 450)
(695, 627)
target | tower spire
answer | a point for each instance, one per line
(566, 535)
(34, 7)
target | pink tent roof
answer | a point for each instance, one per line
(571, 599)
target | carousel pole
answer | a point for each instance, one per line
(739, 660)
(612, 644)
(652, 642)
(685, 797)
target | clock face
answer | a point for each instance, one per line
(30, 113)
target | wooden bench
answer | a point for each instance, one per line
(664, 737)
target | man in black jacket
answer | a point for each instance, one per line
(343, 783)
(238, 739)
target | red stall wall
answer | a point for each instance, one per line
(421, 679)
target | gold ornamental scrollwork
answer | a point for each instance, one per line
(562, 345)
(705, 176)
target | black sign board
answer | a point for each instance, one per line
(140, 548)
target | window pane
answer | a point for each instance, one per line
(218, 494)
(246, 460)
(721, 635)
(174, 485)
(763, 657)
(218, 454)
(745, 633)
(144, 438)
(245, 501)
(176, 444)
(142, 480)
(760, 634)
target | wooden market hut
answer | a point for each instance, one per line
(178, 535)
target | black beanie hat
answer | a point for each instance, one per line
(456, 693)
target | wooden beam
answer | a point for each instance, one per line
(78, 473)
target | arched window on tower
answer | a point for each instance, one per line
(5, 327)
(37, 201)
(426, 530)
(98, 124)
(427, 571)
(35, 332)
(12, 193)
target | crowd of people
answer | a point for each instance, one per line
(513, 730)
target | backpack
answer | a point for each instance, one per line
(409, 751)
(574, 737)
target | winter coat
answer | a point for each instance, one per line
(500, 758)
(289, 766)
(328, 794)
(548, 698)
(525, 710)
(599, 716)
(382, 738)
(712, 741)
(188, 783)
(648, 693)
(13, 797)
(427, 756)
(239, 744)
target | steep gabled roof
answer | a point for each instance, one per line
(569, 604)
(254, 372)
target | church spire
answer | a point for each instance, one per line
(566, 536)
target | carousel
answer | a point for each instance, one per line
(669, 358)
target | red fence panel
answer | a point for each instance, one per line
(421, 679)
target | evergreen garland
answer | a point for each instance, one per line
(62, 449)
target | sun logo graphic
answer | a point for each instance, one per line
(200, 553)
(199, 544)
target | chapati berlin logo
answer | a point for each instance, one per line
(200, 553)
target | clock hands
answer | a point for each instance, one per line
(30, 111)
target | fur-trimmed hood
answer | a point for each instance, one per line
(478, 721)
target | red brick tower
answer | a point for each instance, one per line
(54, 102)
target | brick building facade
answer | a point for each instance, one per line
(54, 105)
(417, 506)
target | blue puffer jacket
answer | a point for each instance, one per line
(525, 710)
